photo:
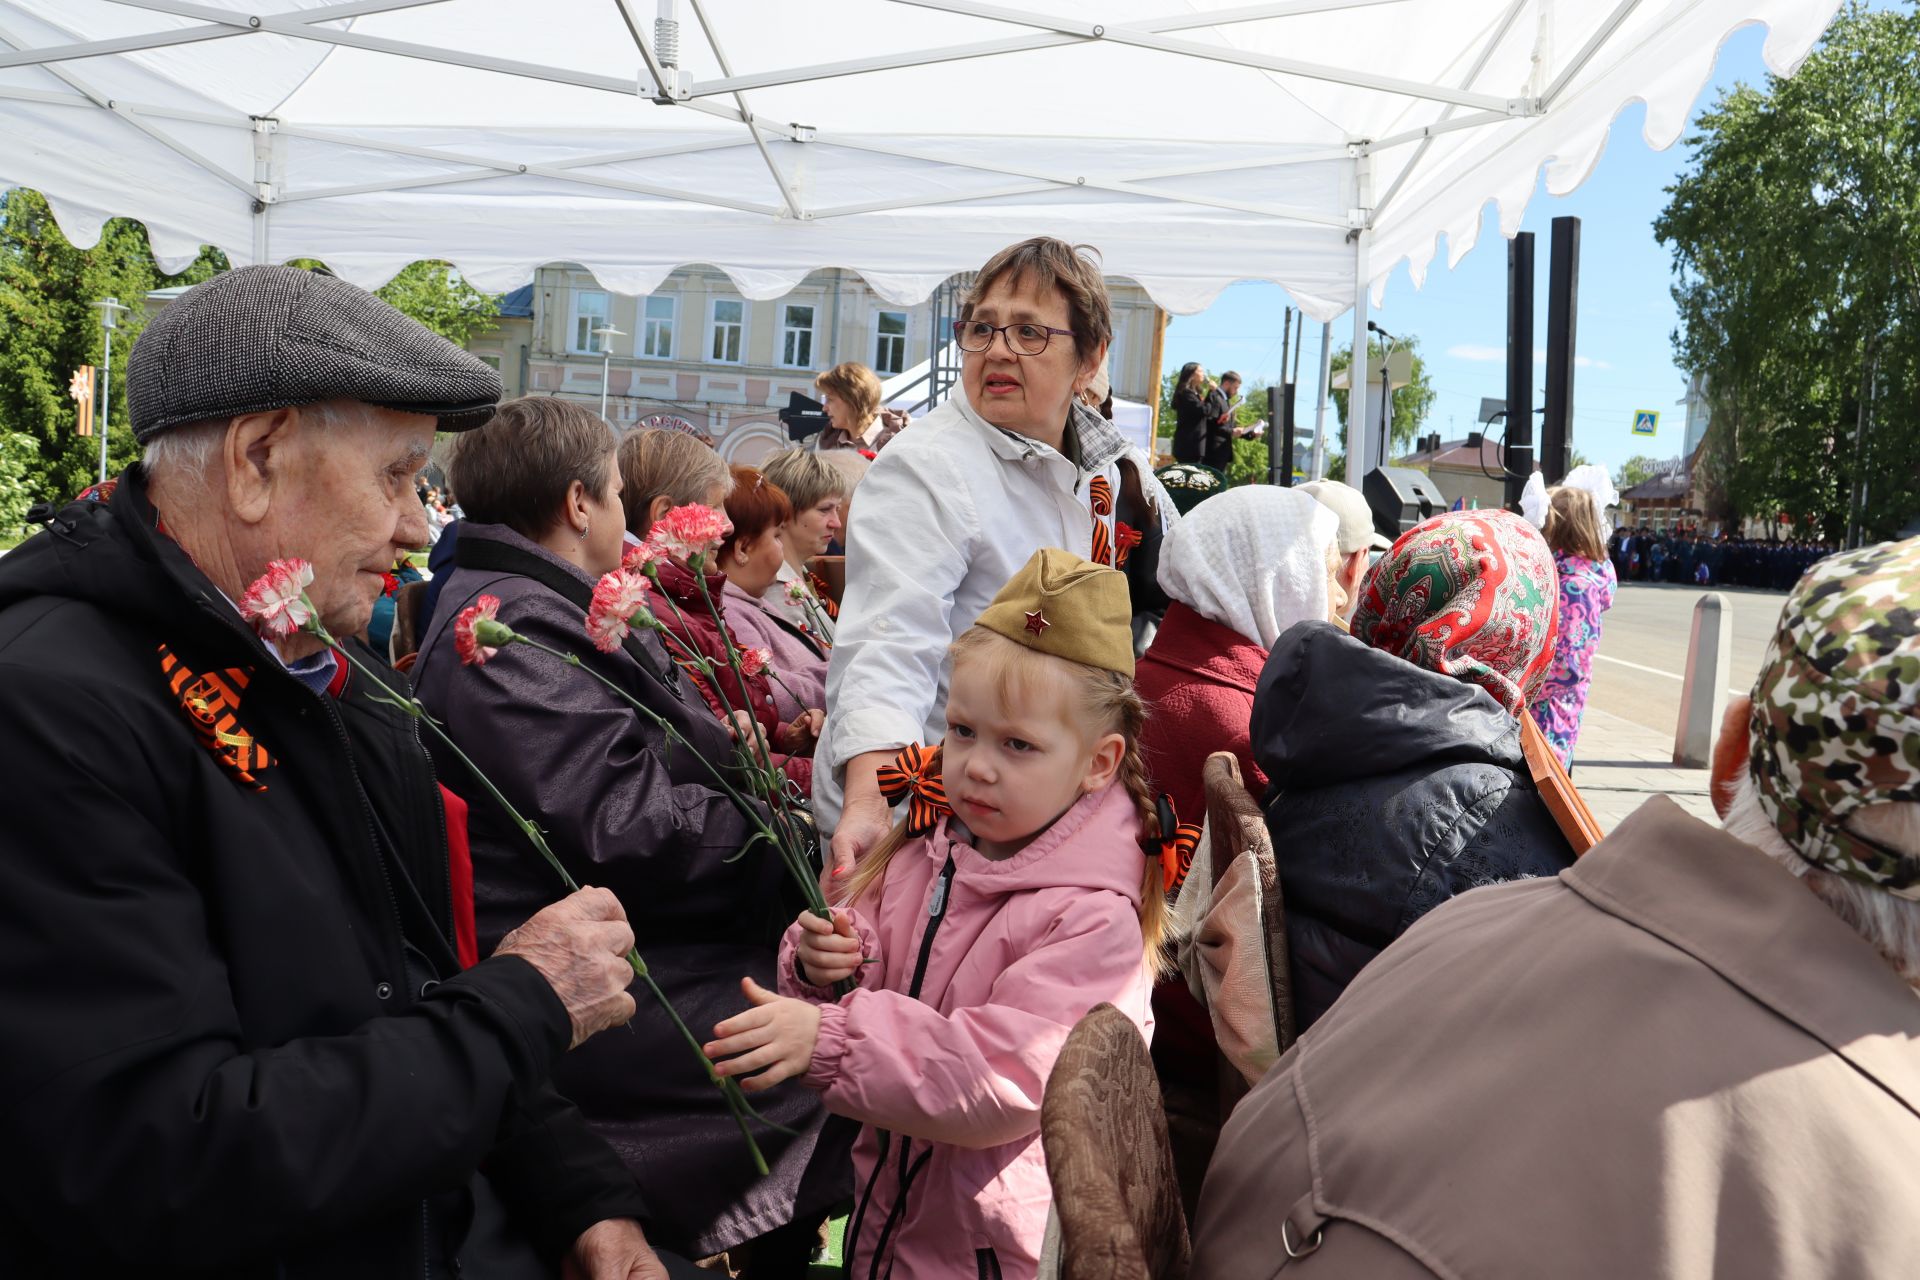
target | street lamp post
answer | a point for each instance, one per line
(605, 333)
(110, 310)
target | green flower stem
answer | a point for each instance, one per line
(787, 838)
(747, 809)
(778, 799)
(729, 1088)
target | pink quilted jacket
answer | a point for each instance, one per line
(945, 1049)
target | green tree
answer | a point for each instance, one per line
(49, 328)
(15, 451)
(439, 297)
(1795, 235)
(1410, 403)
(1636, 470)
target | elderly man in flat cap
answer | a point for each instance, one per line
(1696, 1053)
(235, 1036)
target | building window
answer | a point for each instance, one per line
(890, 342)
(656, 328)
(589, 313)
(489, 358)
(729, 324)
(796, 335)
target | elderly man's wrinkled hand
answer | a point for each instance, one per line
(579, 945)
(612, 1250)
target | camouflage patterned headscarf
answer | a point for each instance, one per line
(1469, 594)
(1836, 721)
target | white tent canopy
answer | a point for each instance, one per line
(1313, 143)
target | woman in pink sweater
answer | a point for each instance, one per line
(1018, 894)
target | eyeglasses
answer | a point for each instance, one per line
(1022, 339)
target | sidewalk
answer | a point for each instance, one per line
(1619, 763)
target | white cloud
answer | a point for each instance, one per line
(1498, 355)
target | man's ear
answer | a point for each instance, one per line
(1107, 755)
(256, 452)
(1731, 751)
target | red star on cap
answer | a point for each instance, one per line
(1037, 622)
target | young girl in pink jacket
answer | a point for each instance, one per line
(1018, 894)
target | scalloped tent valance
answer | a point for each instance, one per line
(1312, 143)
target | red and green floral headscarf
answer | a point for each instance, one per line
(1469, 594)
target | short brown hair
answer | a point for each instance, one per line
(516, 470)
(1573, 525)
(806, 477)
(658, 462)
(755, 506)
(858, 385)
(1073, 269)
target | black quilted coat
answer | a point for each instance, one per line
(1391, 790)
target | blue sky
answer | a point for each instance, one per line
(1623, 327)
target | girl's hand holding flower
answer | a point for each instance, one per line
(775, 1038)
(828, 951)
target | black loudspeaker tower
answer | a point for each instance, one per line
(1400, 498)
(1563, 302)
(1519, 420)
(1287, 431)
(1276, 464)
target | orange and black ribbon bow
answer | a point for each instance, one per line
(1175, 848)
(914, 776)
(1100, 499)
(828, 604)
(211, 703)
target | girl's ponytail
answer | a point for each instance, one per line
(1133, 775)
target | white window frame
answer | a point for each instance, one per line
(647, 323)
(905, 336)
(788, 331)
(591, 346)
(713, 326)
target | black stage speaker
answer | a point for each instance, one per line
(1400, 498)
(1519, 450)
(802, 417)
(1563, 305)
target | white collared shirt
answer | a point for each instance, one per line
(948, 513)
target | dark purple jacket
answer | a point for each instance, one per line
(625, 814)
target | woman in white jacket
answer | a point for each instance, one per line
(1012, 462)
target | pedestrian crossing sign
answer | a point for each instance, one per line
(1646, 422)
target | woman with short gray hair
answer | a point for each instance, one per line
(818, 491)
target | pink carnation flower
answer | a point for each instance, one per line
(619, 599)
(276, 604)
(468, 631)
(797, 592)
(690, 533)
(639, 557)
(755, 662)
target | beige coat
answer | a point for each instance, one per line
(1670, 1061)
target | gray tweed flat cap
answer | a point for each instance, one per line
(268, 337)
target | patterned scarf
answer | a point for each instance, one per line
(1469, 594)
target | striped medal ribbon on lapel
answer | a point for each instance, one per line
(211, 703)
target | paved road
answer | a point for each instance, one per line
(1643, 648)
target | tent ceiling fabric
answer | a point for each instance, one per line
(1194, 143)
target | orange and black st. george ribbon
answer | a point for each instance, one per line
(1178, 843)
(211, 703)
(1100, 499)
(914, 776)
(828, 604)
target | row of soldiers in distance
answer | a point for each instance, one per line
(1685, 554)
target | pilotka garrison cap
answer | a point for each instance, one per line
(271, 337)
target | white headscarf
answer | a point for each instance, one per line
(1253, 559)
